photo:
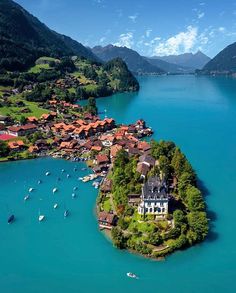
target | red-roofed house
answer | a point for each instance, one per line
(102, 159)
(22, 130)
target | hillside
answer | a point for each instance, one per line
(224, 62)
(23, 38)
(169, 67)
(134, 61)
(190, 60)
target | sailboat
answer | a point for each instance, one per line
(54, 190)
(39, 181)
(31, 189)
(63, 170)
(73, 195)
(75, 188)
(68, 175)
(55, 206)
(26, 197)
(11, 219)
(47, 173)
(41, 217)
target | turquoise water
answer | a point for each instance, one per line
(71, 255)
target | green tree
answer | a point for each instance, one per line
(194, 199)
(92, 107)
(118, 238)
(23, 120)
(4, 149)
(198, 224)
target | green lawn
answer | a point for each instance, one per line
(107, 205)
(38, 68)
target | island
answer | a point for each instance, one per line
(149, 202)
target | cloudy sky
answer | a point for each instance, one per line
(152, 27)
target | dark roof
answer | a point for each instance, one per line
(147, 159)
(155, 188)
(142, 168)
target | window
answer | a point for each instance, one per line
(149, 204)
(150, 210)
(163, 210)
(161, 204)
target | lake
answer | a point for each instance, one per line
(71, 255)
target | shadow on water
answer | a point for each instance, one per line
(211, 215)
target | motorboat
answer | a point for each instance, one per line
(55, 206)
(132, 275)
(73, 195)
(41, 218)
(11, 219)
(26, 197)
(47, 173)
(66, 213)
(54, 190)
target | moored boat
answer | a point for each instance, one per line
(66, 213)
(54, 190)
(11, 219)
(47, 173)
(132, 275)
(31, 189)
(73, 195)
(26, 197)
(55, 206)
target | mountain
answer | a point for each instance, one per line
(194, 61)
(23, 38)
(169, 67)
(223, 62)
(134, 61)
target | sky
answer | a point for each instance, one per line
(151, 27)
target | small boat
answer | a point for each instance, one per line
(41, 217)
(68, 175)
(11, 219)
(131, 275)
(62, 170)
(75, 169)
(54, 190)
(47, 173)
(66, 213)
(55, 206)
(31, 189)
(75, 188)
(73, 195)
(39, 182)
(80, 178)
(26, 197)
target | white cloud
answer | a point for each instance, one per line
(221, 29)
(133, 18)
(180, 43)
(148, 32)
(200, 15)
(125, 40)
(102, 39)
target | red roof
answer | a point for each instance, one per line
(102, 159)
(6, 136)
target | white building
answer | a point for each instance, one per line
(154, 198)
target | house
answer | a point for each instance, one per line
(33, 149)
(32, 119)
(154, 197)
(96, 148)
(22, 130)
(114, 150)
(107, 186)
(144, 146)
(4, 120)
(16, 145)
(143, 169)
(133, 199)
(102, 159)
(148, 160)
(107, 220)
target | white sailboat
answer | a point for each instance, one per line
(54, 190)
(55, 206)
(47, 173)
(26, 197)
(31, 189)
(41, 217)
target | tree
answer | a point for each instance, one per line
(198, 224)
(155, 238)
(184, 181)
(194, 199)
(118, 238)
(23, 120)
(164, 165)
(4, 149)
(91, 107)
